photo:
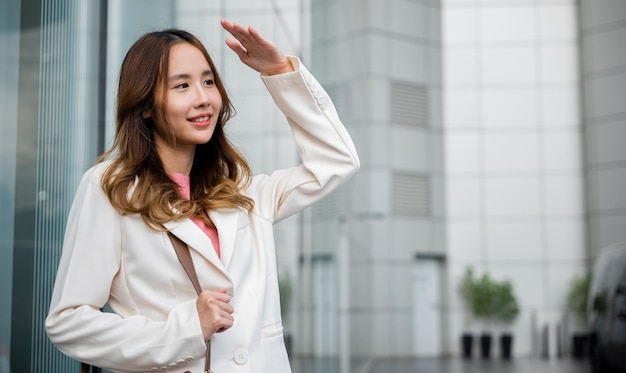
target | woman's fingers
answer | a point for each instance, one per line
(235, 29)
(253, 49)
(215, 311)
(225, 321)
(237, 48)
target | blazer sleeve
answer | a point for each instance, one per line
(328, 155)
(90, 260)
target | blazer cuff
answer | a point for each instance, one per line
(186, 317)
(295, 62)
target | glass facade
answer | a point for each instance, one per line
(52, 93)
(9, 67)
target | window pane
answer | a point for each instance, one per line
(52, 96)
(9, 60)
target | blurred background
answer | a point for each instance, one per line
(491, 135)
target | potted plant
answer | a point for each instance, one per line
(489, 301)
(483, 298)
(465, 290)
(577, 303)
(506, 310)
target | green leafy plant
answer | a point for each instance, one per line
(483, 302)
(505, 303)
(578, 294)
(489, 299)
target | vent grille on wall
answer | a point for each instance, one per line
(411, 195)
(409, 104)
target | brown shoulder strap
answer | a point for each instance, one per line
(184, 257)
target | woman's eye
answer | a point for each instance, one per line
(182, 85)
(209, 82)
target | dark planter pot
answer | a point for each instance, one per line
(580, 345)
(467, 341)
(485, 346)
(506, 345)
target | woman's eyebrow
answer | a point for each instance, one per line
(187, 76)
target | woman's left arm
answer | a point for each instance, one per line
(327, 152)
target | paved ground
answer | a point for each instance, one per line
(451, 365)
(481, 366)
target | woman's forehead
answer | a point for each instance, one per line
(185, 58)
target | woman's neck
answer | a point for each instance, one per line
(175, 159)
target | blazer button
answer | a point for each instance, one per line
(240, 356)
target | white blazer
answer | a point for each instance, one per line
(108, 257)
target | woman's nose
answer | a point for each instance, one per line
(202, 97)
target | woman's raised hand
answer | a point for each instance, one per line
(255, 51)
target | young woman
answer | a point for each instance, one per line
(172, 169)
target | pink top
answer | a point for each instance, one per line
(184, 189)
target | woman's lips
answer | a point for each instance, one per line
(202, 120)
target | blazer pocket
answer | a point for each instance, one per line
(273, 330)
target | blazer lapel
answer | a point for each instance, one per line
(227, 223)
(198, 241)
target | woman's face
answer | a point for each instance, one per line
(192, 100)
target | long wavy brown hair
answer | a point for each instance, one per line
(136, 182)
